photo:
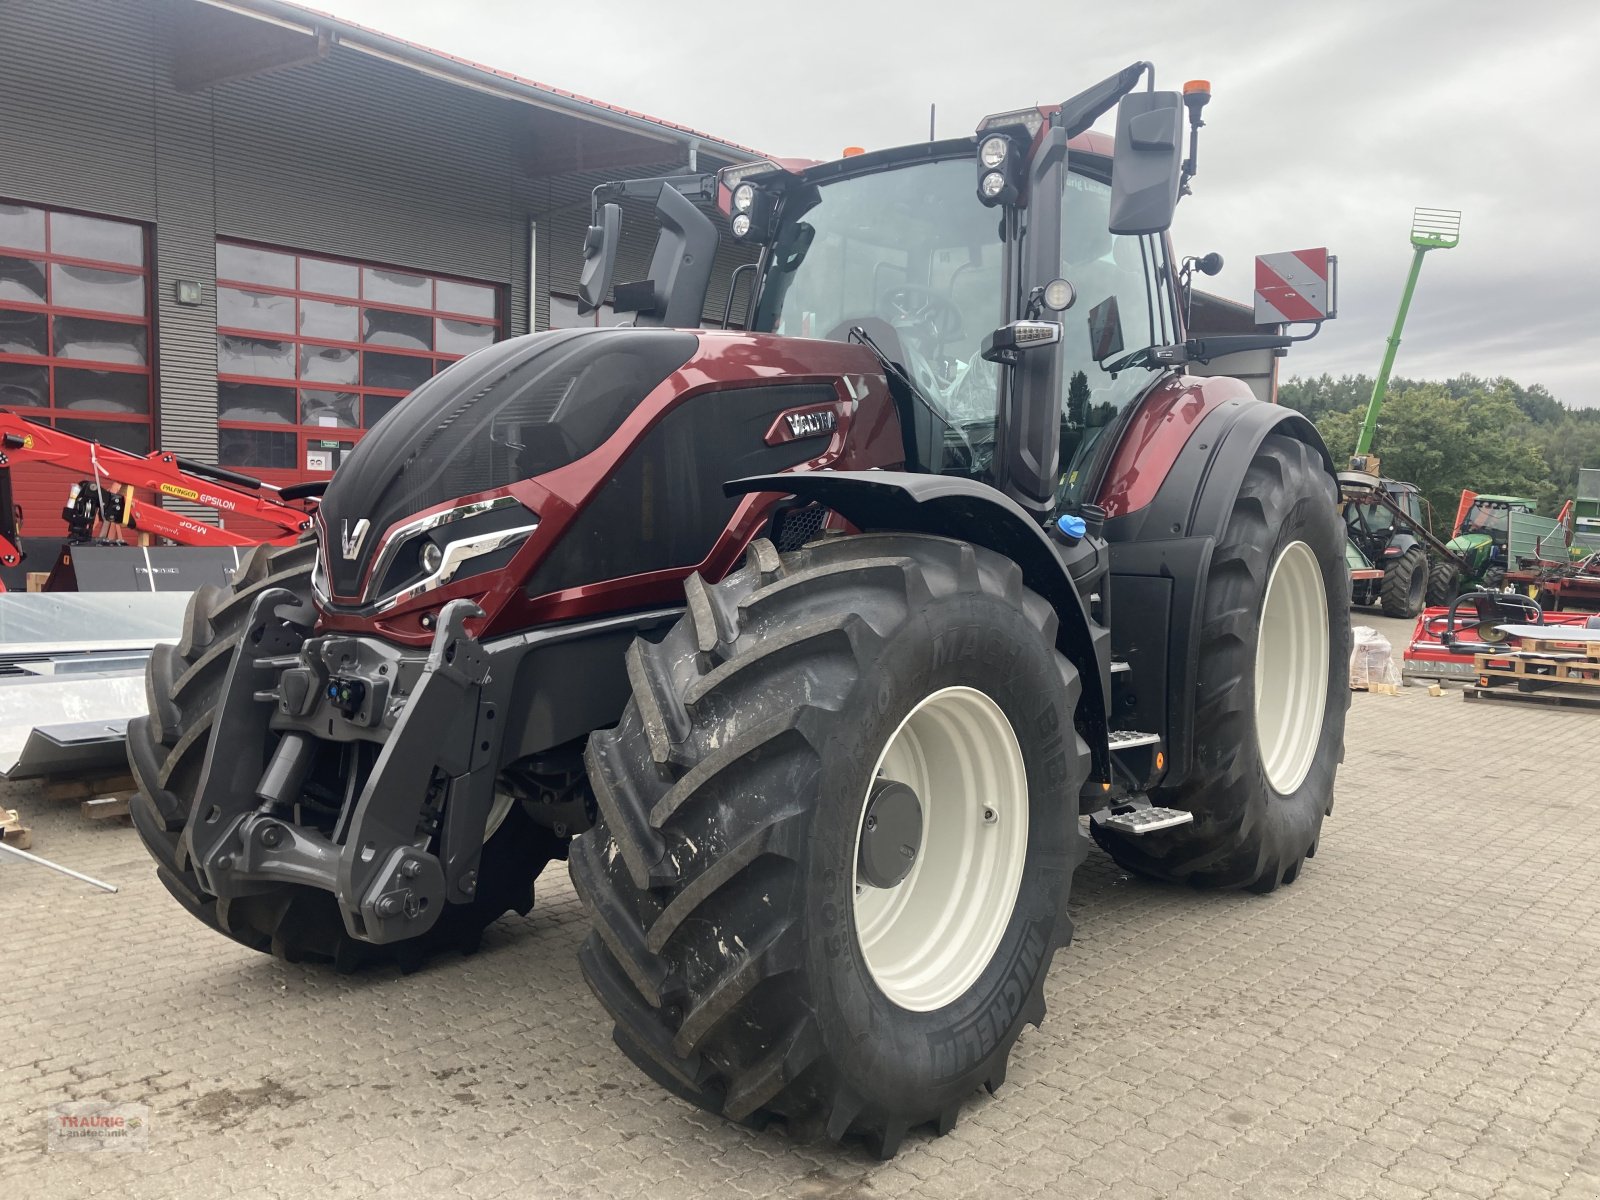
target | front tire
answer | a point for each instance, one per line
(731, 945)
(1444, 583)
(1405, 584)
(1272, 690)
(167, 750)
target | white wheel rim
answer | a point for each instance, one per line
(927, 939)
(1292, 668)
(497, 813)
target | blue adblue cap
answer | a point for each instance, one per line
(1072, 527)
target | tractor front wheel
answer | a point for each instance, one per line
(837, 828)
(167, 749)
(1444, 583)
(1405, 584)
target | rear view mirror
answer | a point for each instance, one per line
(1105, 329)
(1146, 163)
(680, 268)
(599, 259)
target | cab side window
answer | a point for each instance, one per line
(1116, 311)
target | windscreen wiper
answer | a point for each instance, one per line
(895, 371)
(858, 334)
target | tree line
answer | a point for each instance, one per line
(1489, 435)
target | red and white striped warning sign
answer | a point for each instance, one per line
(1292, 286)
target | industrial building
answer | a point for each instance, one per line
(241, 230)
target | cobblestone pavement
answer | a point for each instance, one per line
(1418, 1016)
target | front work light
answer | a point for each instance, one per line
(753, 212)
(1000, 167)
(1058, 295)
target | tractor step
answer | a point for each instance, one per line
(1130, 739)
(1147, 820)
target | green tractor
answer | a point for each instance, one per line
(1396, 563)
(1482, 537)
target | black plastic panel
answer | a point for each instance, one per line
(664, 507)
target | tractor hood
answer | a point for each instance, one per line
(509, 412)
(1473, 548)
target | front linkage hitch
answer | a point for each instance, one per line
(439, 743)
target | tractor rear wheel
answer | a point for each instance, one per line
(837, 829)
(1444, 583)
(167, 751)
(1272, 691)
(1405, 584)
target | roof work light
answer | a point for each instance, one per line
(999, 169)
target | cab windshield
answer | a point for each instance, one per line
(1369, 516)
(907, 255)
(1486, 517)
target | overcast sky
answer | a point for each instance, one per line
(1329, 123)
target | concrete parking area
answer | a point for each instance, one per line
(1417, 1016)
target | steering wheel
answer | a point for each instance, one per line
(915, 307)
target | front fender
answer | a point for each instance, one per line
(949, 506)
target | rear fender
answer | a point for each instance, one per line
(1402, 541)
(1164, 549)
(952, 507)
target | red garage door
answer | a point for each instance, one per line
(74, 340)
(312, 351)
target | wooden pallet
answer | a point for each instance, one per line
(86, 787)
(104, 807)
(1558, 647)
(1577, 670)
(1550, 697)
(99, 797)
(12, 831)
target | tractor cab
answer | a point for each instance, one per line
(1016, 286)
(1492, 515)
(898, 251)
(1375, 526)
(1482, 535)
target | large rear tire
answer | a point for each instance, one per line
(1405, 584)
(750, 964)
(1272, 690)
(167, 750)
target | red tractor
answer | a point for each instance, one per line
(806, 644)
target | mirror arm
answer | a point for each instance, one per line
(1078, 113)
(1190, 164)
(699, 186)
(1203, 350)
(1189, 168)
